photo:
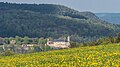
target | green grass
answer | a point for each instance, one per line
(94, 56)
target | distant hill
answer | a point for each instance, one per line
(110, 17)
(49, 20)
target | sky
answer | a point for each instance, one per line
(96, 6)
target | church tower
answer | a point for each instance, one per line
(68, 38)
(68, 41)
(48, 41)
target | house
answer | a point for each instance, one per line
(13, 42)
(59, 43)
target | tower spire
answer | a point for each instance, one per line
(68, 38)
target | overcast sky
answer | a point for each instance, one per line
(95, 6)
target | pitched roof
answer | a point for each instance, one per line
(58, 40)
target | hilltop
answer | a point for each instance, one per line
(50, 20)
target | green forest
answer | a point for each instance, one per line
(49, 20)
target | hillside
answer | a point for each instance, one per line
(48, 20)
(110, 17)
(94, 56)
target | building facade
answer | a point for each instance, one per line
(59, 43)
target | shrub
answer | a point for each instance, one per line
(7, 53)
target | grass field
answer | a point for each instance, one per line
(93, 56)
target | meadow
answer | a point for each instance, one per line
(89, 56)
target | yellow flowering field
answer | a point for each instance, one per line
(90, 56)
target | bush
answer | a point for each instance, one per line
(7, 53)
(74, 44)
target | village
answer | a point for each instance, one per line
(30, 45)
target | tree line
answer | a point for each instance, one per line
(100, 41)
(22, 40)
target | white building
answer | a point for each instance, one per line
(59, 43)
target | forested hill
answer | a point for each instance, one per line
(44, 9)
(48, 20)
